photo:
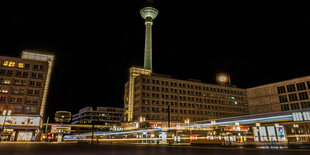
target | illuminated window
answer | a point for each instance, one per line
(7, 81)
(27, 109)
(18, 109)
(5, 90)
(21, 65)
(33, 109)
(11, 64)
(5, 63)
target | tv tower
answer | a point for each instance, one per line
(148, 13)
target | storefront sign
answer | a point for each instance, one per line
(58, 128)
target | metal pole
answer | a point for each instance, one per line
(168, 120)
(92, 130)
(46, 126)
(168, 116)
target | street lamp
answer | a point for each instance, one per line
(4, 113)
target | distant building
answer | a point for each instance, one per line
(285, 95)
(24, 85)
(62, 116)
(100, 115)
(148, 95)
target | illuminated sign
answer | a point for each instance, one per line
(301, 116)
(155, 125)
(58, 128)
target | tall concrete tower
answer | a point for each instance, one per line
(148, 13)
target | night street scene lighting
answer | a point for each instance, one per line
(118, 77)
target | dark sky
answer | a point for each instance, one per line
(256, 42)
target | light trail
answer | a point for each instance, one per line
(254, 120)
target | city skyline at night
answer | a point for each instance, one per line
(255, 43)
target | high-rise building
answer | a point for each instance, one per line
(188, 99)
(280, 96)
(24, 85)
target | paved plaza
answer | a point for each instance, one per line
(133, 149)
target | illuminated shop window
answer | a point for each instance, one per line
(11, 64)
(5, 63)
(21, 65)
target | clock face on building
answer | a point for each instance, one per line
(222, 78)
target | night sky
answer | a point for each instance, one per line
(256, 42)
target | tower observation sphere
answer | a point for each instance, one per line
(148, 14)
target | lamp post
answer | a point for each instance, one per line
(5, 113)
(168, 121)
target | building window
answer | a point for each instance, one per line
(291, 88)
(294, 106)
(27, 66)
(7, 81)
(281, 90)
(283, 98)
(18, 73)
(25, 74)
(27, 109)
(305, 105)
(41, 67)
(5, 63)
(2, 72)
(33, 109)
(2, 99)
(301, 86)
(293, 97)
(18, 109)
(21, 65)
(9, 73)
(11, 64)
(303, 96)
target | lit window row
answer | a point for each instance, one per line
(12, 64)
(22, 65)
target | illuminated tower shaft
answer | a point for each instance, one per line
(148, 46)
(148, 13)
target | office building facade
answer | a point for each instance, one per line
(108, 116)
(280, 96)
(23, 93)
(148, 95)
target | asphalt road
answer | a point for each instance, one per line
(117, 149)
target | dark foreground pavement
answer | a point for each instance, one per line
(117, 149)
